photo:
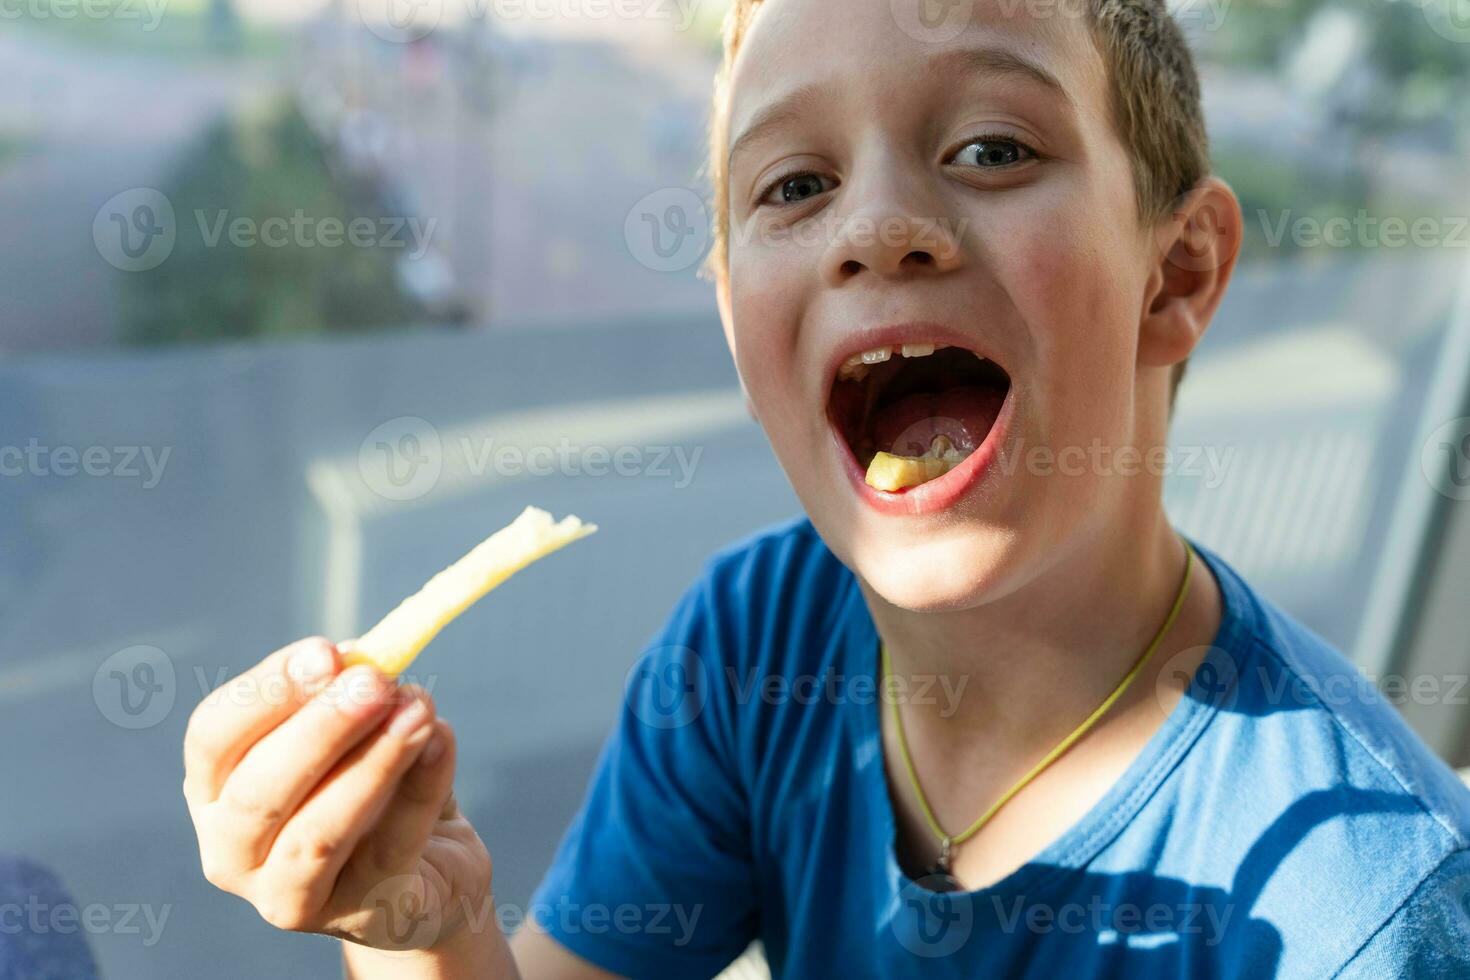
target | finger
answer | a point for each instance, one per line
(236, 715)
(282, 768)
(396, 840)
(318, 840)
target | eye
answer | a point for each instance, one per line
(993, 152)
(794, 188)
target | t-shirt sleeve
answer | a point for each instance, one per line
(1429, 935)
(654, 876)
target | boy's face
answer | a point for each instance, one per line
(866, 215)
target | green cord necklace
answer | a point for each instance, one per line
(940, 870)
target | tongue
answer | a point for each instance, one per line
(963, 414)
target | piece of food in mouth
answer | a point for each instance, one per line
(892, 473)
(399, 637)
(912, 413)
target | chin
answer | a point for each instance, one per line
(944, 571)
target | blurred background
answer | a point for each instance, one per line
(298, 298)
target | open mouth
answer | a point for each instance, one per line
(911, 413)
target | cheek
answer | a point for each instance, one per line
(1069, 279)
(765, 303)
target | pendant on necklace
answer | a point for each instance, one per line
(937, 878)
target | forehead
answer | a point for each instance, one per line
(859, 53)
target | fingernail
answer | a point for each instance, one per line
(409, 718)
(432, 751)
(311, 662)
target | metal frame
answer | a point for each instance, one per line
(1417, 624)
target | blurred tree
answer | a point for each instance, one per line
(1419, 72)
(259, 167)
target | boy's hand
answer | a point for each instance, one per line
(324, 798)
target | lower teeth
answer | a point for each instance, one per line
(891, 473)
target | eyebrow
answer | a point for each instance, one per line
(983, 62)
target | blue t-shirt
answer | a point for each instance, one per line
(1282, 822)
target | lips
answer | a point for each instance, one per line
(917, 419)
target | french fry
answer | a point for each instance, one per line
(892, 473)
(401, 635)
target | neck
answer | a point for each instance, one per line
(1023, 670)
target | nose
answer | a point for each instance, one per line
(893, 237)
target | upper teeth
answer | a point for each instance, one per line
(855, 368)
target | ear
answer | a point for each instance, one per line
(727, 321)
(1197, 247)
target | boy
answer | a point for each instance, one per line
(952, 254)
